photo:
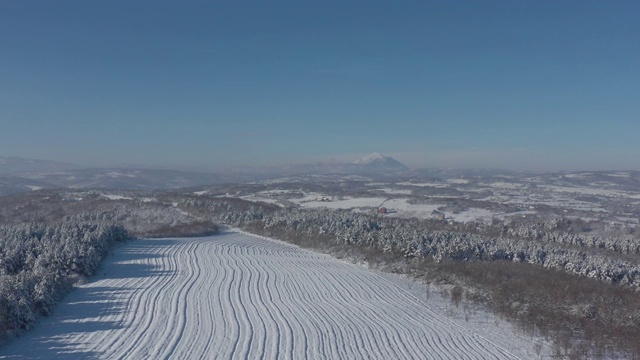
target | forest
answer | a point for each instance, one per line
(40, 262)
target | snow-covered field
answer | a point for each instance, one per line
(426, 184)
(394, 191)
(472, 214)
(347, 203)
(239, 296)
(116, 197)
(401, 208)
(593, 191)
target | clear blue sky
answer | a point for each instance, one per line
(511, 84)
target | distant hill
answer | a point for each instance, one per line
(23, 175)
(129, 178)
(12, 184)
(15, 165)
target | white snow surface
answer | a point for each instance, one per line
(346, 203)
(394, 191)
(425, 184)
(458, 181)
(265, 199)
(115, 174)
(239, 296)
(472, 214)
(116, 197)
(592, 191)
(402, 208)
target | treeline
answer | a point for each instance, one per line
(39, 263)
(416, 238)
(145, 221)
(615, 237)
(142, 214)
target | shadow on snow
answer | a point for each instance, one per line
(91, 307)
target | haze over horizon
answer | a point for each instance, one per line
(526, 86)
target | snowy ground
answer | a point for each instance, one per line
(236, 296)
(612, 197)
(116, 197)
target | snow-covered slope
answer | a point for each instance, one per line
(238, 296)
(371, 158)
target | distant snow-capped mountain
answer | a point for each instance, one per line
(371, 158)
(378, 162)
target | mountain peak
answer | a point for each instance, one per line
(379, 162)
(373, 157)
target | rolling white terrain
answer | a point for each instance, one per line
(240, 296)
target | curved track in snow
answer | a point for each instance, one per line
(239, 296)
